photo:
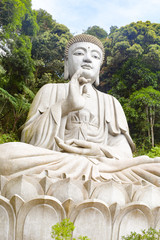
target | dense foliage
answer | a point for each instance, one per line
(32, 54)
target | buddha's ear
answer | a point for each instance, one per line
(66, 70)
(97, 81)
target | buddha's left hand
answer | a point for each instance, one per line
(79, 147)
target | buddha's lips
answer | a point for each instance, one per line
(86, 66)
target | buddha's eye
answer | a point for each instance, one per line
(78, 52)
(96, 55)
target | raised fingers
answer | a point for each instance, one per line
(79, 143)
(73, 149)
(76, 76)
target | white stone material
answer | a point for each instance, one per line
(132, 217)
(92, 219)
(75, 160)
(75, 131)
(90, 216)
(36, 217)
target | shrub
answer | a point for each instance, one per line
(154, 152)
(150, 234)
(8, 137)
(64, 230)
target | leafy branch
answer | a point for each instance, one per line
(64, 230)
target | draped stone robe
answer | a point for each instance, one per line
(109, 130)
(45, 121)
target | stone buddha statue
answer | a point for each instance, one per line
(76, 131)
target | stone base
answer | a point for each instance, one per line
(30, 205)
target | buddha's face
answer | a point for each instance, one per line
(88, 57)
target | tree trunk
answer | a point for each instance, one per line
(152, 125)
(148, 118)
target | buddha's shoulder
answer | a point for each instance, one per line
(51, 88)
(107, 96)
(54, 85)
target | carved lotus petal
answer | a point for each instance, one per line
(36, 217)
(92, 218)
(68, 189)
(149, 195)
(156, 214)
(7, 220)
(16, 202)
(27, 188)
(45, 183)
(69, 205)
(111, 192)
(132, 218)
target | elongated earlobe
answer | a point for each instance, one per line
(97, 81)
(66, 72)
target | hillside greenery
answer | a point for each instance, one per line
(32, 47)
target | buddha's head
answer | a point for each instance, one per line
(86, 52)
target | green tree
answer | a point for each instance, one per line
(18, 63)
(18, 25)
(113, 29)
(97, 32)
(134, 42)
(16, 16)
(11, 14)
(45, 21)
(16, 106)
(48, 49)
(148, 101)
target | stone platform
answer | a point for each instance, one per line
(30, 205)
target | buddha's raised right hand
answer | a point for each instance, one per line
(77, 93)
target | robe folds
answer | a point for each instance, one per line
(38, 152)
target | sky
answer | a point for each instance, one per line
(78, 15)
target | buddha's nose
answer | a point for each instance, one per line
(87, 58)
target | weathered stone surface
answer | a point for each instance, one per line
(133, 217)
(17, 202)
(68, 189)
(156, 213)
(24, 186)
(69, 206)
(36, 217)
(149, 195)
(7, 220)
(92, 218)
(93, 207)
(111, 192)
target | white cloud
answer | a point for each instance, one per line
(124, 12)
(81, 14)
